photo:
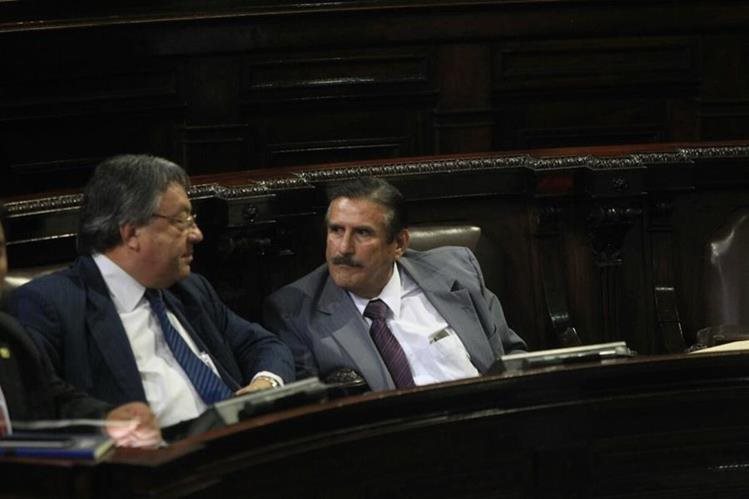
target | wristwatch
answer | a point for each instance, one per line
(273, 382)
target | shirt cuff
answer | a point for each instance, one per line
(268, 374)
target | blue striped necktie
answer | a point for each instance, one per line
(210, 387)
(390, 350)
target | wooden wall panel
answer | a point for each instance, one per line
(339, 105)
(55, 126)
(595, 91)
(239, 85)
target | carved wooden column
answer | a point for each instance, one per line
(549, 237)
(672, 173)
(670, 337)
(608, 224)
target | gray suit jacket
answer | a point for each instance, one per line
(325, 331)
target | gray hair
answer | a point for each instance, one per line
(124, 189)
(377, 191)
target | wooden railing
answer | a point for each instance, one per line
(669, 426)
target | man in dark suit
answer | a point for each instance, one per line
(128, 321)
(31, 389)
(397, 317)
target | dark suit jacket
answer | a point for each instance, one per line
(72, 317)
(325, 330)
(31, 388)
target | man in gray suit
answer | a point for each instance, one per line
(396, 316)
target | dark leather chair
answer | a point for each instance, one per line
(428, 236)
(727, 283)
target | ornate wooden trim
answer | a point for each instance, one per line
(538, 162)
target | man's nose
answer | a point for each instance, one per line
(195, 235)
(347, 243)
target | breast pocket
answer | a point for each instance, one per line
(451, 354)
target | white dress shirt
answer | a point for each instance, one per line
(169, 391)
(434, 351)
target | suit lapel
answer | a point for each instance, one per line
(347, 327)
(107, 331)
(456, 306)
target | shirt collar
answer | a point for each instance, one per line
(390, 294)
(125, 291)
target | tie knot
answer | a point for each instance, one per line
(155, 298)
(376, 309)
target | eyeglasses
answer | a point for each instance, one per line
(183, 224)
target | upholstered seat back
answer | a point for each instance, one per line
(428, 236)
(727, 273)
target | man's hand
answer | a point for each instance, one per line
(259, 383)
(142, 431)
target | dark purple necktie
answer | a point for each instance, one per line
(389, 348)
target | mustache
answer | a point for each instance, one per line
(345, 260)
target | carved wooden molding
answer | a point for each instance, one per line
(56, 203)
(608, 224)
(545, 161)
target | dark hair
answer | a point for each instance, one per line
(124, 189)
(378, 191)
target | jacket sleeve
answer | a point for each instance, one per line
(254, 347)
(39, 318)
(498, 332)
(68, 401)
(283, 321)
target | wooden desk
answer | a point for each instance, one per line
(670, 426)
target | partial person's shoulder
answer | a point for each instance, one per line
(306, 284)
(51, 281)
(442, 250)
(194, 283)
(298, 294)
(448, 261)
(441, 254)
(64, 291)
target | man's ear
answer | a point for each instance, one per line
(401, 240)
(129, 235)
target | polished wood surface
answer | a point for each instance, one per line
(669, 426)
(242, 84)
